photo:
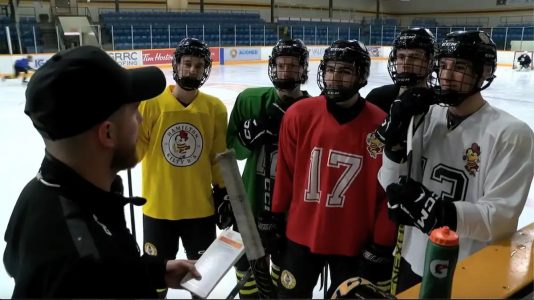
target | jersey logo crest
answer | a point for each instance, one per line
(472, 159)
(150, 249)
(182, 144)
(288, 280)
(374, 145)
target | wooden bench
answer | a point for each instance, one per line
(501, 270)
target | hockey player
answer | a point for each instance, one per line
(183, 130)
(524, 61)
(471, 178)
(21, 66)
(253, 134)
(326, 180)
(410, 64)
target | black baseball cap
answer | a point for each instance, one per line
(78, 88)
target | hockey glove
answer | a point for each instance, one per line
(254, 133)
(417, 101)
(376, 265)
(411, 203)
(392, 132)
(223, 208)
(271, 227)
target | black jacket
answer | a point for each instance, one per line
(68, 238)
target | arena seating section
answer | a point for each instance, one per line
(243, 29)
(26, 32)
(235, 28)
(154, 29)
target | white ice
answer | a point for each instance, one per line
(23, 149)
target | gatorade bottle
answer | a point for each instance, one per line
(440, 261)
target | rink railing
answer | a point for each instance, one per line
(38, 39)
(219, 55)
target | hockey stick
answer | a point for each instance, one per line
(400, 233)
(325, 281)
(130, 192)
(259, 263)
(240, 284)
(420, 119)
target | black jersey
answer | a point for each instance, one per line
(383, 96)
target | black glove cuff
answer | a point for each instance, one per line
(398, 156)
(218, 195)
(447, 215)
(378, 254)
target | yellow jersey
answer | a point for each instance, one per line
(177, 146)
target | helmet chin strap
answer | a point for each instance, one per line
(339, 95)
(285, 84)
(454, 98)
(408, 79)
(188, 83)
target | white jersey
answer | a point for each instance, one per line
(485, 165)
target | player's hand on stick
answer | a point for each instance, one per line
(411, 203)
(375, 265)
(223, 208)
(393, 131)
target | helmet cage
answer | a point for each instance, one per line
(475, 47)
(193, 47)
(352, 52)
(416, 38)
(292, 48)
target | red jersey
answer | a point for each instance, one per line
(326, 180)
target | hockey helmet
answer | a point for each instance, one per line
(475, 47)
(352, 52)
(414, 38)
(294, 48)
(194, 47)
(359, 288)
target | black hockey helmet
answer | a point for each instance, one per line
(414, 38)
(194, 47)
(474, 46)
(353, 52)
(288, 47)
(359, 288)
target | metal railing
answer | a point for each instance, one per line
(35, 39)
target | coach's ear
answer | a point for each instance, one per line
(105, 135)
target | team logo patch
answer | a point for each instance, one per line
(150, 249)
(472, 159)
(288, 280)
(374, 145)
(182, 144)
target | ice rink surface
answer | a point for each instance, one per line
(22, 148)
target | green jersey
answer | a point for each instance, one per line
(258, 176)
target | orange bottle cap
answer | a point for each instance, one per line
(444, 236)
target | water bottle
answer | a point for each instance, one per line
(440, 261)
